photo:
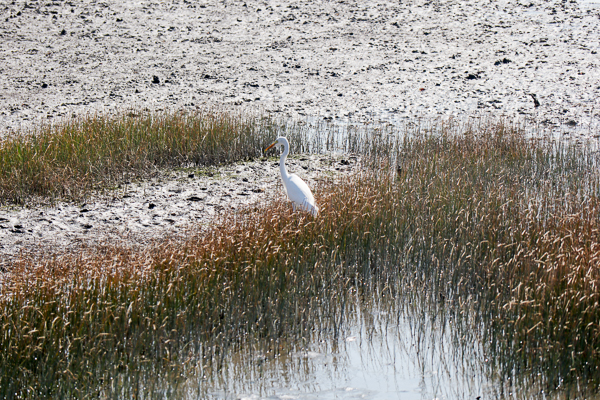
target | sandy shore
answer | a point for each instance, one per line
(356, 60)
(167, 206)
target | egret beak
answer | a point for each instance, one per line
(273, 144)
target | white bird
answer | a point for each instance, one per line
(297, 190)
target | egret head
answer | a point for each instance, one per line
(281, 141)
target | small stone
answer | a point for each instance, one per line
(44, 85)
(155, 80)
(536, 103)
(151, 206)
(63, 32)
(190, 176)
(194, 198)
(503, 61)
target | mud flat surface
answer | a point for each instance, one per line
(352, 60)
(170, 205)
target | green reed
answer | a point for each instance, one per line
(70, 160)
(496, 231)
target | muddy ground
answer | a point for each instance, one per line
(174, 203)
(353, 60)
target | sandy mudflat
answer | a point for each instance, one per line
(167, 206)
(357, 60)
(339, 60)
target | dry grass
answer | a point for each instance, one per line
(498, 232)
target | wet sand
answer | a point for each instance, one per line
(173, 204)
(345, 60)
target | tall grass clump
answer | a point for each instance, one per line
(71, 159)
(497, 232)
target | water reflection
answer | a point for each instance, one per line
(416, 358)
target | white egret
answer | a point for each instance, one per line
(297, 190)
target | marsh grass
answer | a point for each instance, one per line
(485, 228)
(72, 159)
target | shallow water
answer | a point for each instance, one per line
(398, 362)
(415, 358)
(590, 4)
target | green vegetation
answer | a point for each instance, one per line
(497, 232)
(69, 161)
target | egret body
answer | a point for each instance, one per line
(297, 190)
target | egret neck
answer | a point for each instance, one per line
(285, 177)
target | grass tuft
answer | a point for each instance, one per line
(71, 160)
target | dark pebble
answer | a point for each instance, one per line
(155, 79)
(151, 206)
(472, 76)
(570, 123)
(63, 32)
(44, 85)
(194, 198)
(190, 175)
(87, 226)
(503, 61)
(536, 103)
